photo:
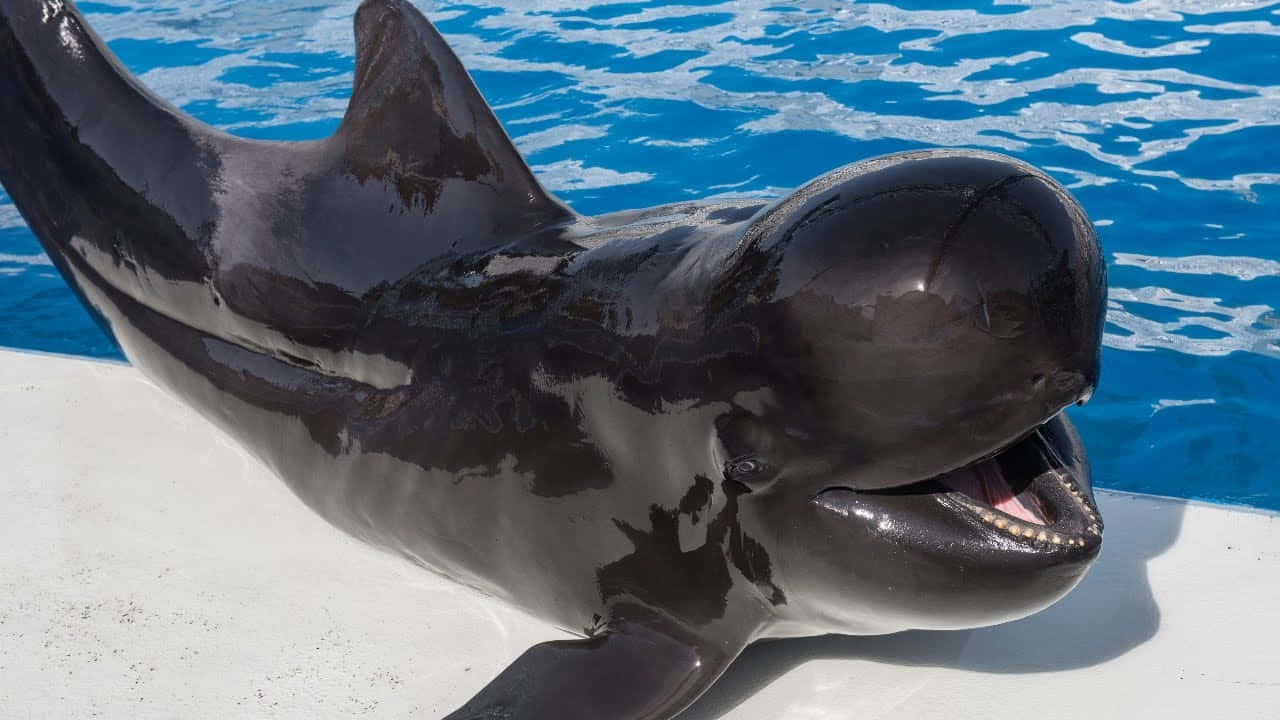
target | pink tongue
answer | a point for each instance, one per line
(984, 482)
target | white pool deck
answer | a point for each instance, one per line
(150, 569)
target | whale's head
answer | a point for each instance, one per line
(922, 322)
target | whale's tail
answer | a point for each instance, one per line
(129, 193)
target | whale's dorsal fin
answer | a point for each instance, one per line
(417, 121)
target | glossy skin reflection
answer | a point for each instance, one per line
(673, 431)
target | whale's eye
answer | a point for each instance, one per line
(749, 473)
(758, 453)
(744, 468)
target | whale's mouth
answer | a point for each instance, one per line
(987, 484)
(1026, 492)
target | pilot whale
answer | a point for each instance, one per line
(671, 431)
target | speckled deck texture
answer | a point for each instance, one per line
(151, 569)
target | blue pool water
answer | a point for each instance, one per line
(1162, 116)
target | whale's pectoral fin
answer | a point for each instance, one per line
(416, 119)
(649, 669)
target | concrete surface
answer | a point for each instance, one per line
(150, 569)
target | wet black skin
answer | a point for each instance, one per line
(673, 431)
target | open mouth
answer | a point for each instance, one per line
(1026, 492)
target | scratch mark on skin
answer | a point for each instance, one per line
(949, 236)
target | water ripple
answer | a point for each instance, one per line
(1241, 268)
(1249, 328)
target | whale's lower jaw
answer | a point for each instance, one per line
(984, 543)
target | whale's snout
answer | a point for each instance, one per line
(939, 304)
(1023, 256)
